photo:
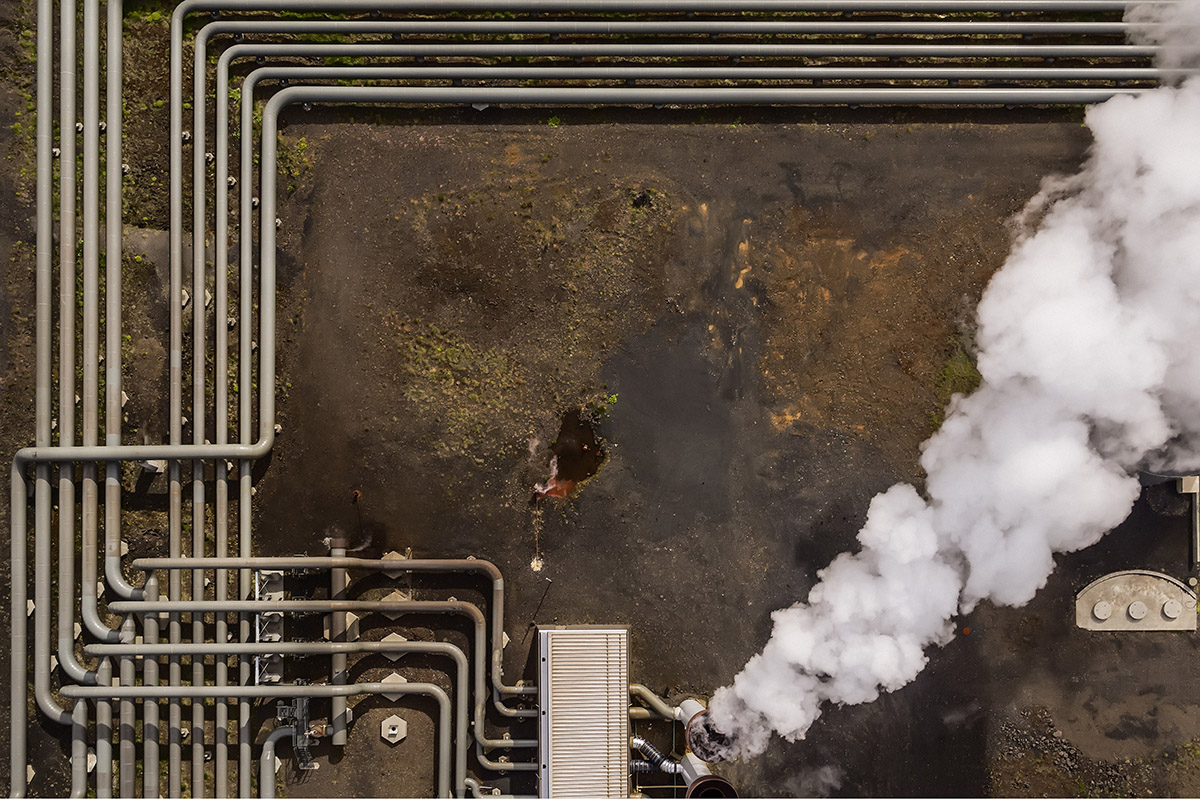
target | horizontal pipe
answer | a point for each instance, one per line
(711, 27)
(751, 50)
(646, 6)
(291, 690)
(324, 562)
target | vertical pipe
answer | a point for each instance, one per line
(44, 349)
(91, 318)
(245, 429)
(18, 678)
(221, 413)
(266, 771)
(44, 255)
(127, 748)
(150, 768)
(104, 717)
(67, 237)
(113, 263)
(79, 770)
(175, 490)
(199, 376)
(337, 633)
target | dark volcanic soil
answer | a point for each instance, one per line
(759, 317)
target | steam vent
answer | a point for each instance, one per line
(601, 398)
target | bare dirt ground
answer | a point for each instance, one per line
(762, 313)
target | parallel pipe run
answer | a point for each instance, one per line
(288, 690)
(112, 452)
(657, 6)
(328, 606)
(150, 652)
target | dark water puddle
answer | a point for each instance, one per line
(576, 455)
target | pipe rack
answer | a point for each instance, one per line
(703, 51)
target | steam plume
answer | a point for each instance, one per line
(1091, 370)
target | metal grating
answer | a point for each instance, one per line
(584, 697)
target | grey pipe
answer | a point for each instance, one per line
(126, 746)
(49, 459)
(329, 606)
(42, 401)
(669, 6)
(291, 690)
(470, 565)
(199, 377)
(104, 717)
(714, 27)
(150, 730)
(68, 197)
(113, 261)
(477, 791)
(337, 633)
(149, 652)
(627, 73)
(79, 770)
(19, 646)
(695, 50)
(91, 353)
(266, 772)
(221, 429)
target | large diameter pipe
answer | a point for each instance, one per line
(337, 631)
(79, 770)
(266, 772)
(150, 709)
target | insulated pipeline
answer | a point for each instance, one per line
(287, 690)
(112, 452)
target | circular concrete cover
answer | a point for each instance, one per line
(1172, 609)
(1102, 610)
(1137, 610)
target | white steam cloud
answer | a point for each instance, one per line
(1089, 347)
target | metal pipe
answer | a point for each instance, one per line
(337, 633)
(577, 50)
(110, 454)
(150, 652)
(126, 747)
(266, 773)
(291, 690)
(113, 262)
(668, 6)
(659, 706)
(329, 606)
(221, 422)
(79, 770)
(175, 487)
(68, 197)
(19, 647)
(656, 758)
(104, 717)
(627, 73)
(199, 377)
(150, 709)
(383, 565)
